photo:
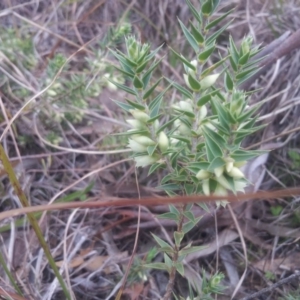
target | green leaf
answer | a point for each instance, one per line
(204, 55)
(246, 77)
(181, 138)
(151, 90)
(248, 113)
(214, 36)
(169, 216)
(193, 10)
(168, 261)
(161, 128)
(190, 250)
(194, 83)
(204, 99)
(213, 67)
(169, 187)
(212, 148)
(207, 8)
(189, 215)
(151, 149)
(125, 72)
(124, 106)
(178, 236)
(216, 137)
(179, 268)
(123, 59)
(157, 266)
(140, 68)
(233, 51)
(244, 59)
(137, 83)
(188, 187)
(223, 115)
(154, 106)
(216, 163)
(242, 74)
(135, 105)
(188, 226)
(228, 82)
(153, 53)
(123, 87)
(146, 77)
(154, 167)
(174, 210)
(242, 155)
(184, 60)
(197, 34)
(181, 89)
(218, 20)
(189, 37)
(162, 243)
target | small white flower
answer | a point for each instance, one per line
(240, 185)
(163, 142)
(208, 81)
(203, 174)
(140, 115)
(229, 166)
(236, 173)
(205, 187)
(145, 160)
(223, 181)
(136, 124)
(143, 140)
(136, 147)
(202, 112)
(219, 171)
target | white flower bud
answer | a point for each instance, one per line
(229, 166)
(203, 174)
(239, 185)
(163, 142)
(208, 81)
(182, 128)
(186, 106)
(205, 187)
(139, 115)
(145, 160)
(236, 173)
(239, 164)
(144, 140)
(135, 123)
(186, 80)
(219, 171)
(136, 147)
(223, 181)
(202, 112)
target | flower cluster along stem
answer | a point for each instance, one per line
(199, 142)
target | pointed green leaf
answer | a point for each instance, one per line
(218, 20)
(161, 242)
(157, 266)
(151, 90)
(184, 60)
(189, 37)
(193, 249)
(178, 236)
(154, 167)
(228, 82)
(194, 83)
(242, 155)
(136, 105)
(205, 98)
(179, 268)
(123, 87)
(214, 36)
(204, 55)
(124, 106)
(197, 34)
(169, 216)
(181, 89)
(137, 83)
(193, 10)
(148, 73)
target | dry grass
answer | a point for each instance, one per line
(58, 159)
